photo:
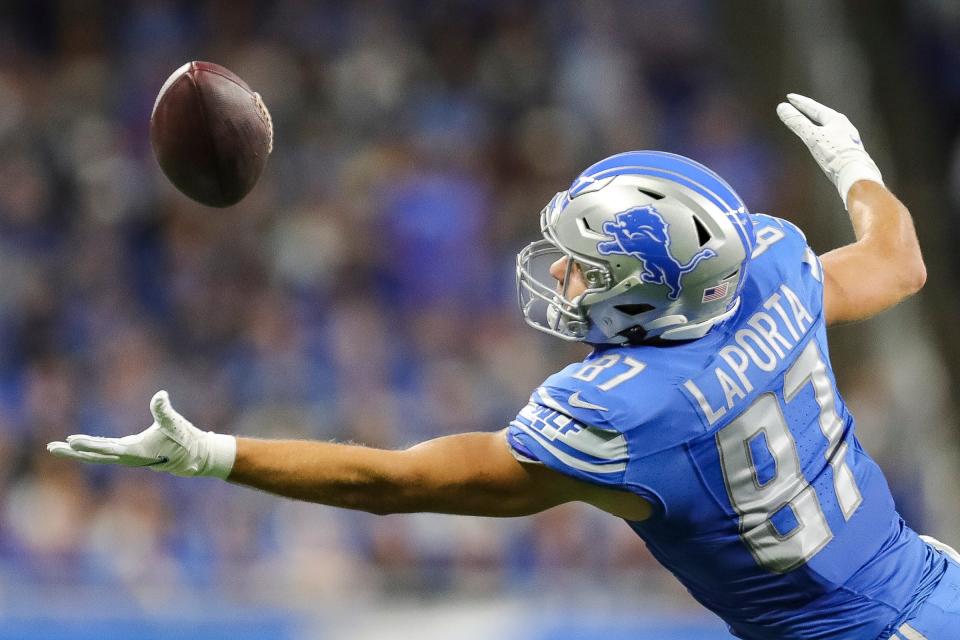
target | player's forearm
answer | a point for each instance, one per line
(340, 475)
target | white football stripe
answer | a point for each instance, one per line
(169, 81)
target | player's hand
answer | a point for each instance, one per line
(170, 444)
(833, 141)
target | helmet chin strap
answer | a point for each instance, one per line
(554, 320)
(700, 329)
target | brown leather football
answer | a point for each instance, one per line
(211, 133)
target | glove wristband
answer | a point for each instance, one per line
(852, 172)
(221, 454)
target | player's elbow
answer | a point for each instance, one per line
(911, 272)
(917, 278)
(906, 251)
(901, 263)
(407, 486)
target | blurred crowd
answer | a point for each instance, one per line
(363, 292)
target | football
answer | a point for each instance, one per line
(211, 133)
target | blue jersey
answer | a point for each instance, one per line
(766, 507)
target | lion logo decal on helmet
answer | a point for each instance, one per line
(641, 232)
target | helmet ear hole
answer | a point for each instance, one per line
(703, 235)
(634, 309)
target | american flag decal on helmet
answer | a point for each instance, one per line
(717, 292)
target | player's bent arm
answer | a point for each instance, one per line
(883, 267)
(466, 474)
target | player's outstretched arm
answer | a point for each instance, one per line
(884, 265)
(466, 474)
(469, 474)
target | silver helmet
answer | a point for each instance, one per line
(662, 242)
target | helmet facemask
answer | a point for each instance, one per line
(545, 303)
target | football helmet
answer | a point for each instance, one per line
(663, 245)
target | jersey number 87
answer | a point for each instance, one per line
(758, 501)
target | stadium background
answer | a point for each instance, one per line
(364, 291)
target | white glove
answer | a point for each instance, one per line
(833, 141)
(170, 444)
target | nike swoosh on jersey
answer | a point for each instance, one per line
(575, 401)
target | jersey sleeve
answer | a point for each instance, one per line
(566, 430)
